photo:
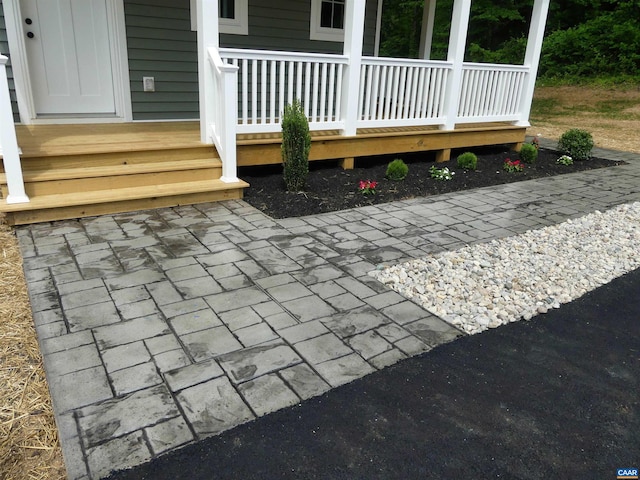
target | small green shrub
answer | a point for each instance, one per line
(528, 153)
(397, 170)
(296, 143)
(468, 161)
(576, 143)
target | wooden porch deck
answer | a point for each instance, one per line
(73, 171)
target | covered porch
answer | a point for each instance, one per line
(357, 105)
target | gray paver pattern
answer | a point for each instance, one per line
(159, 328)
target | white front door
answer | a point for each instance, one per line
(69, 57)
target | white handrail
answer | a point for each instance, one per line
(402, 92)
(9, 142)
(490, 92)
(269, 80)
(225, 114)
(393, 92)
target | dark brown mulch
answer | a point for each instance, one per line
(330, 188)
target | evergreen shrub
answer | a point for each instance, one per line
(468, 161)
(576, 143)
(296, 143)
(397, 170)
(528, 153)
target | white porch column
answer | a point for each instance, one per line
(8, 141)
(208, 36)
(532, 57)
(376, 46)
(426, 34)
(457, 43)
(353, 36)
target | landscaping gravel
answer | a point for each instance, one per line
(487, 285)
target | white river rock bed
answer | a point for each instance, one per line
(487, 285)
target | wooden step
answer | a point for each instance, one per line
(61, 180)
(108, 158)
(47, 175)
(82, 204)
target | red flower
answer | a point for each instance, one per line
(368, 187)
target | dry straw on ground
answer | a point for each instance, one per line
(29, 447)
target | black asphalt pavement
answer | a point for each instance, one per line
(557, 397)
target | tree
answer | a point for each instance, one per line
(583, 37)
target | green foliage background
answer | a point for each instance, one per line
(584, 39)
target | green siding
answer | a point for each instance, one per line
(4, 50)
(161, 45)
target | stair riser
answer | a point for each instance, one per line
(62, 213)
(117, 158)
(117, 181)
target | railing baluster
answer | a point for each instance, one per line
(290, 93)
(307, 88)
(375, 92)
(323, 91)
(245, 91)
(281, 96)
(395, 92)
(424, 85)
(298, 93)
(440, 94)
(339, 90)
(500, 92)
(332, 86)
(367, 84)
(273, 81)
(254, 92)
(263, 91)
(412, 91)
(402, 85)
(495, 78)
(314, 108)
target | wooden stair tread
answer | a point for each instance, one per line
(45, 175)
(121, 194)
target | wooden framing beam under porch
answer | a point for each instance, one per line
(328, 145)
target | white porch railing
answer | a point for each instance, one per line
(393, 92)
(491, 93)
(224, 115)
(8, 142)
(269, 80)
(401, 92)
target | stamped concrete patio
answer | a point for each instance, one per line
(163, 327)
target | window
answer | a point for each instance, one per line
(233, 16)
(327, 20)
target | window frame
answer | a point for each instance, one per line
(317, 31)
(235, 26)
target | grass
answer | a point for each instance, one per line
(610, 113)
(615, 108)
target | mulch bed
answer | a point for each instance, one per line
(330, 188)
